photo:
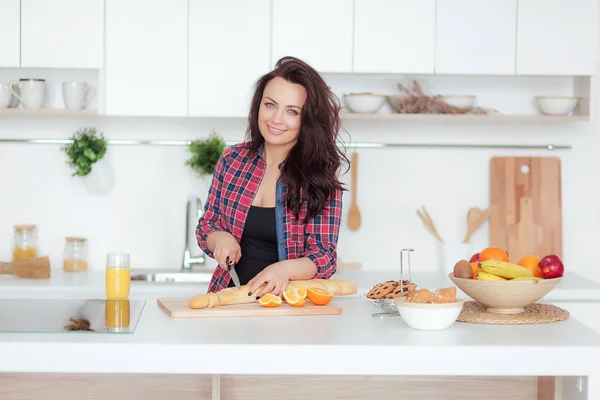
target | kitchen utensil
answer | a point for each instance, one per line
(179, 308)
(232, 273)
(354, 219)
(475, 218)
(388, 306)
(36, 268)
(525, 206)
(426, 219)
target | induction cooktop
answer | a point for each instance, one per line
(70, 315)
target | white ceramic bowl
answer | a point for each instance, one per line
(365, 103)
(556, 105)
(459, 101)
(429, 317)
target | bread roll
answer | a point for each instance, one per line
(234, 295)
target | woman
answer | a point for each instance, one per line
(275, 203)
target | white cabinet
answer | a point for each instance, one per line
(229, 49)
(394, 36)
(476, 37)
(62, 33)
(146, 57)
(317, 31)
(10, 33)
(557, 37)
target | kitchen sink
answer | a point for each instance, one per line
(172, 276)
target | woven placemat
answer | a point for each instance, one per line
(474, 312)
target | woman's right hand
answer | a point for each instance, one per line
(225, 246)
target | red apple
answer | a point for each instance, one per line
(551, 267)
(474, 258)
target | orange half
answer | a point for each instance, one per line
(270, 300)
(319, 296)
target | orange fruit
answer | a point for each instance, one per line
(302, 291)
(301, 303)
(531, 263)
(475, 269)
(292, 297)
(270, 300)
(493, 253)
(319, 296)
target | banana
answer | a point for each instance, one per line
(504, 269)
(526, 278)
(484, 276)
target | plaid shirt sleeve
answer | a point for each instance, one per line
(211, 219)
(322, 236)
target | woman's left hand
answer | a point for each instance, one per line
(275, 275)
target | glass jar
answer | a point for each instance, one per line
(25, 242)
(75, 254)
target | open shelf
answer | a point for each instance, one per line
(465, 117)
(48, 112)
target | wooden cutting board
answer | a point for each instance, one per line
(179, 308)
(526, 206)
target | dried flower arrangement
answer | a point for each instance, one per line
(414, 101)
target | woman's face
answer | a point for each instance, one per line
(279, 112)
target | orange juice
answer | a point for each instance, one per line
(117, 283)
(116, 313)
(23, 253)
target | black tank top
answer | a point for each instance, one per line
(258, 244)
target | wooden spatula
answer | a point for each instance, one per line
(36, 268)
(475, 218)
(354, 218)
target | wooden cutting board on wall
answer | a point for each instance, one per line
(526, 206)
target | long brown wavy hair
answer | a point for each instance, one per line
(310, 169)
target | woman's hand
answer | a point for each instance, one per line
(275, 275)
(225, 246)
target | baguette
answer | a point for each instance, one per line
(234, 295)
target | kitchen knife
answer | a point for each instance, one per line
(234, 275)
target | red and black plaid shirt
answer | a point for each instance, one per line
(235, 182)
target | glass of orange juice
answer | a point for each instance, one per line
(118, 276)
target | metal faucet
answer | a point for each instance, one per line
(193, 212)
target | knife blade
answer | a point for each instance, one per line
(234, 275)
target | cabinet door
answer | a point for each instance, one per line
(229, 50)
(476, 37)
(394, 36)
(10, 33)
(146, 57)
(62, 33)
(319, 32)
(557, 37)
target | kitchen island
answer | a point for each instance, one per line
(351, 355)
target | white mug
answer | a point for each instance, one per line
(31, 92)
(5, 96)
(77, 95)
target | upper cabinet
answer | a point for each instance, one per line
(229, 49)
(557, 37)
(317, 31)
(10, 33)
(476, 37)
(62, 33)
(146, 57)
(394, 36)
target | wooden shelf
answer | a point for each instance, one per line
(464, 117)
(48, 112)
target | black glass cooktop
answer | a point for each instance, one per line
(70, 315)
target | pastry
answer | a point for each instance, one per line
(382, 289)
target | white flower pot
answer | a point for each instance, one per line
(101, 179)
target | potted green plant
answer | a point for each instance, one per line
(205, 154)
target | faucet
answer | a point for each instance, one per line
(193, 213)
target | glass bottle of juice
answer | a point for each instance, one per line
(75, 254)
(25, 242)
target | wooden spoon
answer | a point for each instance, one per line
(354, 218)
(475, 218)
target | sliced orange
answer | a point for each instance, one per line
(291, 296)
(302, 291)
(319, 296)
(301, 303)
(270, 300)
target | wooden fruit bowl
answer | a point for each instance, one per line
(505, 297)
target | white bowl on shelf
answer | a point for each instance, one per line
(429, 317)
(363, 103)
(460, 101)
(556, 105)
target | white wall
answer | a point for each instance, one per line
(145, 213)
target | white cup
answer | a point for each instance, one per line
(5, 96)
(77, 94)
(453, 252)
(31, 92)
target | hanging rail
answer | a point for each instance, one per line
(365, 145)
